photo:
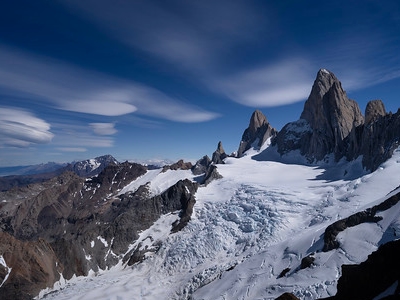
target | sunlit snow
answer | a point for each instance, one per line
(259, 219)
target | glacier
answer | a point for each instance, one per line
(261, 218)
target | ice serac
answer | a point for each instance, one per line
(257, 133)
(328, 118)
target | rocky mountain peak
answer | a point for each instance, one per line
(329, 109)
(374, 110)
(257, 133)
(257, 120)
(329, 117)
(219, 155)
(220, 149)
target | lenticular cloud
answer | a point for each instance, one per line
(20, 128)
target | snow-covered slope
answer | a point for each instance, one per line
(261, 218)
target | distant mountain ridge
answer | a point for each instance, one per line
(31, 169)
(91, 167)
(43, 172)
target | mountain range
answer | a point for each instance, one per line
(308, 212)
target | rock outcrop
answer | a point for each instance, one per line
(219, 155)
(378, 139)
(34, 266)
(211, 174)
(179, 165)
(70, 225)
(374, 110)
(257, 133)
(201, 165)
(365, 216)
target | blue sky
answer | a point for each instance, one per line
(169, 79)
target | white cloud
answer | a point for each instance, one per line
(71, 88)
(20, 128)
(282, 83)
(103, 128)
(80, 136)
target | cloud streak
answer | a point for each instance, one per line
(200, 37)
(103, 128)
(191, 33)
(71, 88)
(20, 128)
(272, 85)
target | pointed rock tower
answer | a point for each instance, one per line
(219, 155)
(257, 133)
(329, 116)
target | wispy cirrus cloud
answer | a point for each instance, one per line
(282, 83)
(80, 137)
(203, 37)
(192, 34)
(68, 87)
(21, 128)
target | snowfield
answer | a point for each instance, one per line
(261, 218)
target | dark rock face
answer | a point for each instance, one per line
(327, 119)
(259, 131)
(79, 224)
(211, 174)
(372, 277)
(34, 267)
(208, 168)
(219, 155)
(379, 138)
(201, 165)
(307, 262)
(287, 296)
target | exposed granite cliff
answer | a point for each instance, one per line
(328, 118)
(331, 123)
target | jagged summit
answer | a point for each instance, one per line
(331, 115)
(328, 118)
(258, 132)
(219, 155)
